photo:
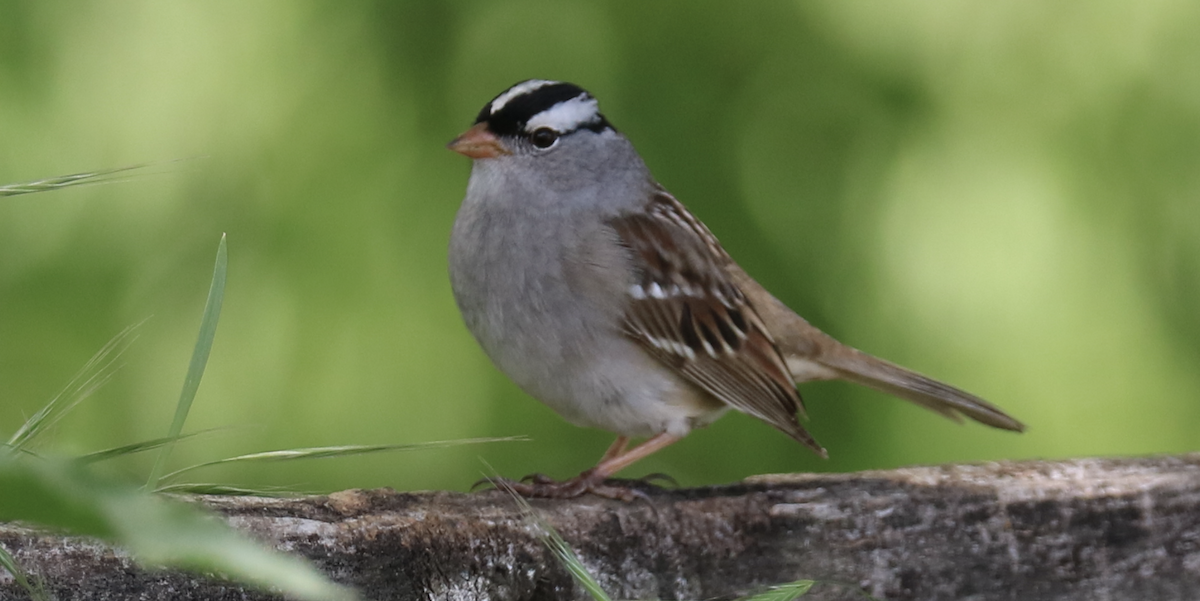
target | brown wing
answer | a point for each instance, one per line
(687, 312)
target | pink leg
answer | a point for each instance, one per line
(611, 465)
(593, 480)
(616, 449)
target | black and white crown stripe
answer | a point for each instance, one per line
(568, 115)
(520, 89)
(538, 103)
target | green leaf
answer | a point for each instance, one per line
(63, 495)
(191, 383)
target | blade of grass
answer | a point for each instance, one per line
(64, 181)
(98, 370)
(559, 547)
(784, 592)
(137, 447)
(8, 562)
(191, 383)
(225, 490)
(102, 176)
(339, 451)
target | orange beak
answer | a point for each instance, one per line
(478, 143)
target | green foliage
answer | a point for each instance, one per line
(63, 495)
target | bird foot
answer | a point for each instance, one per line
(540, 486)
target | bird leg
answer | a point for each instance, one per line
(610, 465)
(616, 449)
(593, 481)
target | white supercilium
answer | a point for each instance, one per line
(567, 115)
(524, 87)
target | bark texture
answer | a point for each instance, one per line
(1088, 529)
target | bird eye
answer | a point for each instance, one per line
(544, 137)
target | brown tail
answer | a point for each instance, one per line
(856, 366)
(827, 358)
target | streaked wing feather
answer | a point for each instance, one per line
(687, 312)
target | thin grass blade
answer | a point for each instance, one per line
(224, 490)
(559, 547)
(98, 370)
(340, 451)
(89, 178)
(204, 341)
(137, 447)
(9, 563)
(784, 592)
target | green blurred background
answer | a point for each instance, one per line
(1005, 196)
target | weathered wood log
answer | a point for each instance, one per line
(1082, 529)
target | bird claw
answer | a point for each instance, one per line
(494, 482)
(538, 479)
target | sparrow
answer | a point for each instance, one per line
(599, 294)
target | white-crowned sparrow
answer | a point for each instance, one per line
(600, 295)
